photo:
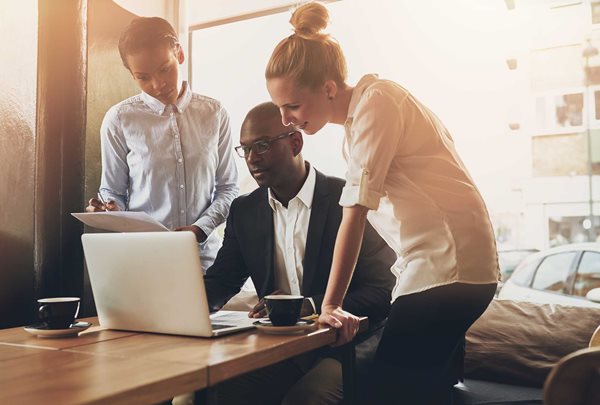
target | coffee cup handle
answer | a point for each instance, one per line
(44, 312)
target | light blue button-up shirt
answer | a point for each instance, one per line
(174, 162)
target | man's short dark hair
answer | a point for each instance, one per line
(145, 33)
(262, 113)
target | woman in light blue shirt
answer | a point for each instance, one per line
(167, 151)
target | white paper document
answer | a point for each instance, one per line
(120, 221)
(231, 317)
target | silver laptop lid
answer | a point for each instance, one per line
(149, 282)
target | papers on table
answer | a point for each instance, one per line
(120, 221)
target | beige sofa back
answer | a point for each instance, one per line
(518, 342)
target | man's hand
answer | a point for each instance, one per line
(200, 235)
(344, 322)
(95, 205)
(260, 309)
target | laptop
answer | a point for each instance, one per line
(153, 282)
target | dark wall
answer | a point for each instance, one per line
(60, 133)
(108, 83)
(108, 80)
(61, 71)
(17, 156)
(42, 135)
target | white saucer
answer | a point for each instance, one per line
(42, 331)
(264, 325)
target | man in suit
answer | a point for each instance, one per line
(282, 236)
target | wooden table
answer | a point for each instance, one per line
(39, 376)
(17, 336)
(226, 357)
(127, 367)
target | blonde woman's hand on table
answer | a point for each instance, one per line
(345, 323)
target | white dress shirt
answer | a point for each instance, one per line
(290, 228)
(174, 162)
(402, 164)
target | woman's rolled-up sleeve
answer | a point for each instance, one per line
(372, 142)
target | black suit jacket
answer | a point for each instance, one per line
(248, 247)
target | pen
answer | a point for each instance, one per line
(102, 201)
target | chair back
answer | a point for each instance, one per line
(595, 340)
(575, 380)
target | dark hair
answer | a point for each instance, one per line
(261, 115)
(145, 33)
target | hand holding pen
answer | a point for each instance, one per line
(99, 205)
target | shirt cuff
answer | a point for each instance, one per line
(202, 224)
(118, 200)
(353, 195)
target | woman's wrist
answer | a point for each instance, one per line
(330, 306)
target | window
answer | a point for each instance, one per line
(569, 110)
(552, 274)
(563, 230)
(222, 66)
(595, 11)
(588, 274)
(228, 63)
(560, 111)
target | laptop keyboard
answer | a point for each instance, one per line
(219, 326)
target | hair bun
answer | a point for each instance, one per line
(310, 19)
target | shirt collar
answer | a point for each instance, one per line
(180, 104)
(360, 87)
(306, 193)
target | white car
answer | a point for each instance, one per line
(567, 275)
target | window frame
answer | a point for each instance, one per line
(284, 8)
(576, 272)
(589, 94)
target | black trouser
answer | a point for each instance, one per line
(421, 352)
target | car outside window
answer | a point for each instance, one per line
(509, 260)
(552, 273)
(523, 272)
(588, 274)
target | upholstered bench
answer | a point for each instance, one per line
(513, 347)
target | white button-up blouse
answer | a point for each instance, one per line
(174, 162)
(403, 166)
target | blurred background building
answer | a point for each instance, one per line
(555, 71)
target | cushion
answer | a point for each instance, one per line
(518, 342)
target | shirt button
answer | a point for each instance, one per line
(180, 160)
(176, 136)
(181, 186)
(182, 211)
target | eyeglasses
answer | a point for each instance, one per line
(260, 147)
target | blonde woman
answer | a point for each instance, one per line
(404, 174)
